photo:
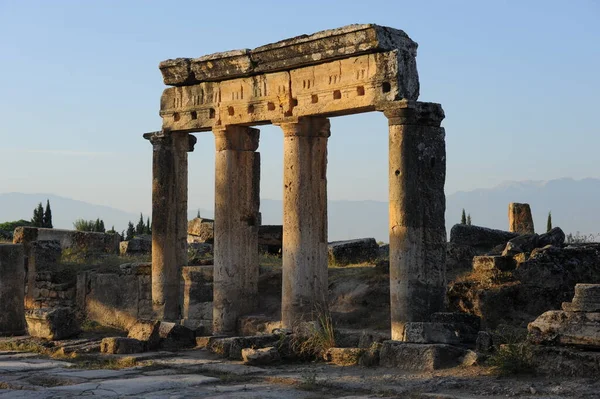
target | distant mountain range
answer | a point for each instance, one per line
(575, 206)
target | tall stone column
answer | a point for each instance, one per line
(304, 289)
(237, 189)
(169, 219)
(417, 173)
(12, 289)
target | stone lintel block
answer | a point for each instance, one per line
(566, 328)
(494, 263)
(353, 85)
(427, 332)
(290, 53)
(419, 357)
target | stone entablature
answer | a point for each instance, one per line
(317, 75)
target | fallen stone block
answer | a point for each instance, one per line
(557, 327)
(470, 358)
(344, 356)
(555, 237)
(52, 323)
(174, 336)
(419, 357)
(481, 239)
(257, 324)
(202, 230)
(466, 326)
(427, 332)
(586, 299)
(554, 360)
(261, 356)
(231, 347)
(137, 245)
(121, 345)
(147, 331)
(493, 263)
(347, 252)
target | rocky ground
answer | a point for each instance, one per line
(200, 374)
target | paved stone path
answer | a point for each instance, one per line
(198, 374)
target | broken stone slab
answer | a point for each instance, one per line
(479, 238)
(121, 345)
(137, 245)
(493, 263)
(556, 360)
(12, 290)
(231, 347)
(202, 229)
(343, 356)
(147, 331)
(261, 356)
(586, 299)
(342, 253)
(466, 326)
(555, 237)
(52, 323)
(257, 325)
(520, 219)
(174, 336)
(419, 357)
(290, 53)
(529, 242)
(428, 332)
(558, 327)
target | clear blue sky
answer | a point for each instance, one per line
(80, 84)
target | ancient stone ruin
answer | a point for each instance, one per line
(297, 84)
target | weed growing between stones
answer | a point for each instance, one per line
(310, 340)
(512, 354)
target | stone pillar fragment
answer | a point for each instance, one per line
(520, 219)
(304, 291)
(12, 290)
(237, 181)
(169, 219)
(417, 173)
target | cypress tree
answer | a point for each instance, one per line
(148, 229)
(130, 231)
(549, 222)
(47, 219)
(38, 216)
(198, 215)
(141, 226)
(102, 229)
(97, 225)
(463, 218)
(469, 219)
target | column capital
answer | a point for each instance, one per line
(162, 139)
(236, 137)
(407, 112)
(305, 126)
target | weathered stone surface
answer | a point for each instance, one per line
(566, 328)
(479, 238)
(52, 324)
(137, 245)
(555, 237)
(12, 290)
(493, 263)
(305, 219)
(586, 299)
(261, 356)
(428, 333)
(343, 356)
(199, 252)
(257, 324)
(202, 229)
(554, 361)
(419, 357)
(519, 218)
(291, 53)
(231, 347)
(417, 203)
(347, 252)
(237, 181)
(197, 309)
(147, 331)
(121, 345)
(81, 240)
(175, 336)
(484, 343)
(270, 238)
(522, 243)
(44, 255)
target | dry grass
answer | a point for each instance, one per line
(312, 340)
(77, 260)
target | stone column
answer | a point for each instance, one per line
(237, 188)
(417, 173)
(520, 219)
(304, 290)
(12, 290)
(169, 219)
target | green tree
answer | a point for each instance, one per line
(38, 216)
(130, 231)
(11, 226)
(101, 228)
(148, 229)
(141, 226)
(198, 215)
(84, 225)
(47, 218)
(463, 218)
(469, 219)
(549, 222)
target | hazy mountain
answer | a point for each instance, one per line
(575, 206)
